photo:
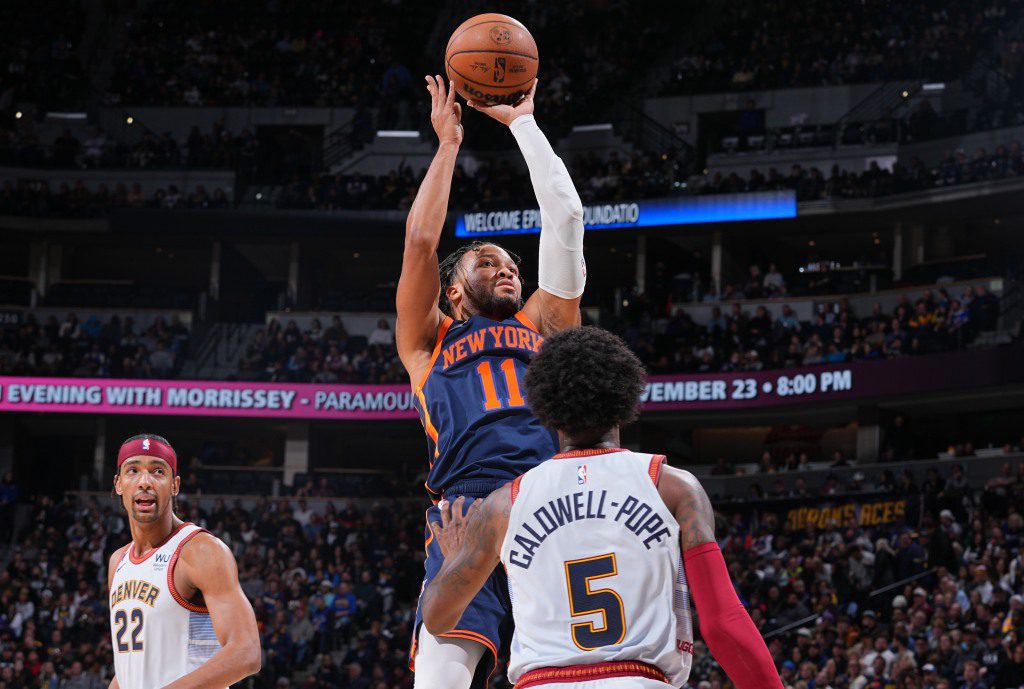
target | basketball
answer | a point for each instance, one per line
(492, 58)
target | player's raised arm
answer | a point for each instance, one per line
(210, 568)
(561, 269)
(724, 623)
(420, 284)
(471, 544)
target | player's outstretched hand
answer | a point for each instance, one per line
(445, 113)
(451, 532)
(506, 113)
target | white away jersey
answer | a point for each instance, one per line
(157, 635)
(594, 566)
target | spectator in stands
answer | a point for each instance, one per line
(8, 499)
(161, 361)
(382, 336)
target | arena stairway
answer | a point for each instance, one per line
(217, 354)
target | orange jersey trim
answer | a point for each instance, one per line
(657, 462)
(457, 634)
(515, 488)
(428, 425)
(590, 673)
(588, 452)
(430, 538)
(442, 330)
(178, 598)
(525, 320)
(149, 553)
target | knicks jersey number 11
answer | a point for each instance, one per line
(473, 407)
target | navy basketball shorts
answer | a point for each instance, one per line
(487, 620)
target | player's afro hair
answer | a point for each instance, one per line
(584, 382)
(449, 269)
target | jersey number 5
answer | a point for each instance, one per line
(585, 601)
(491, 401)
(121, 620)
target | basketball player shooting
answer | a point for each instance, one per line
(178, 617)
(465, 337)
(604, 547)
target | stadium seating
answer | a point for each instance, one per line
(333, 582)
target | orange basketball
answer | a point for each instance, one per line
(492, 58)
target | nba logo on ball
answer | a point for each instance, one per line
(501, 35)
(581, 474)
(145, 444)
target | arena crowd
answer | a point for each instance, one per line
(333, 590)
(117, 348)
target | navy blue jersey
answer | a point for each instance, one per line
(480, 433)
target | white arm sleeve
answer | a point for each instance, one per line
(561, 269)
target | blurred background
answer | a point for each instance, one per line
(806, 221)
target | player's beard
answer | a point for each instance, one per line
(486, 301)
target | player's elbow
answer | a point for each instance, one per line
(714, 633)
(565, 191)
(252, 658)
(573, 205)
(420, 242)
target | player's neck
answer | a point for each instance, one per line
(568, 443)
(146, 537)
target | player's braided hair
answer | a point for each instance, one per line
(585, 382)
(449, 269)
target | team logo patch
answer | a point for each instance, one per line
(145, 443)
(581, 474)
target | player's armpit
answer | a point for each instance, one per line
(688, 501)
(207, 565)
(113, 683)
(115, 560)
(465, 571)
(552, 314)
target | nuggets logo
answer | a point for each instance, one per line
(501, 35)
(581, 474)
(499, 70)
(145, 443)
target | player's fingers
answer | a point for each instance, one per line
(445, 508)
(533, 90)
(432, 88)
(442, 94)
(451, 92)
(435, 529)
(457, 508)
(458, 111)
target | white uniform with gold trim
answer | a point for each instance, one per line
(157, 636)
(595, 571)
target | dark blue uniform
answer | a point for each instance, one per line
(480, 436)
